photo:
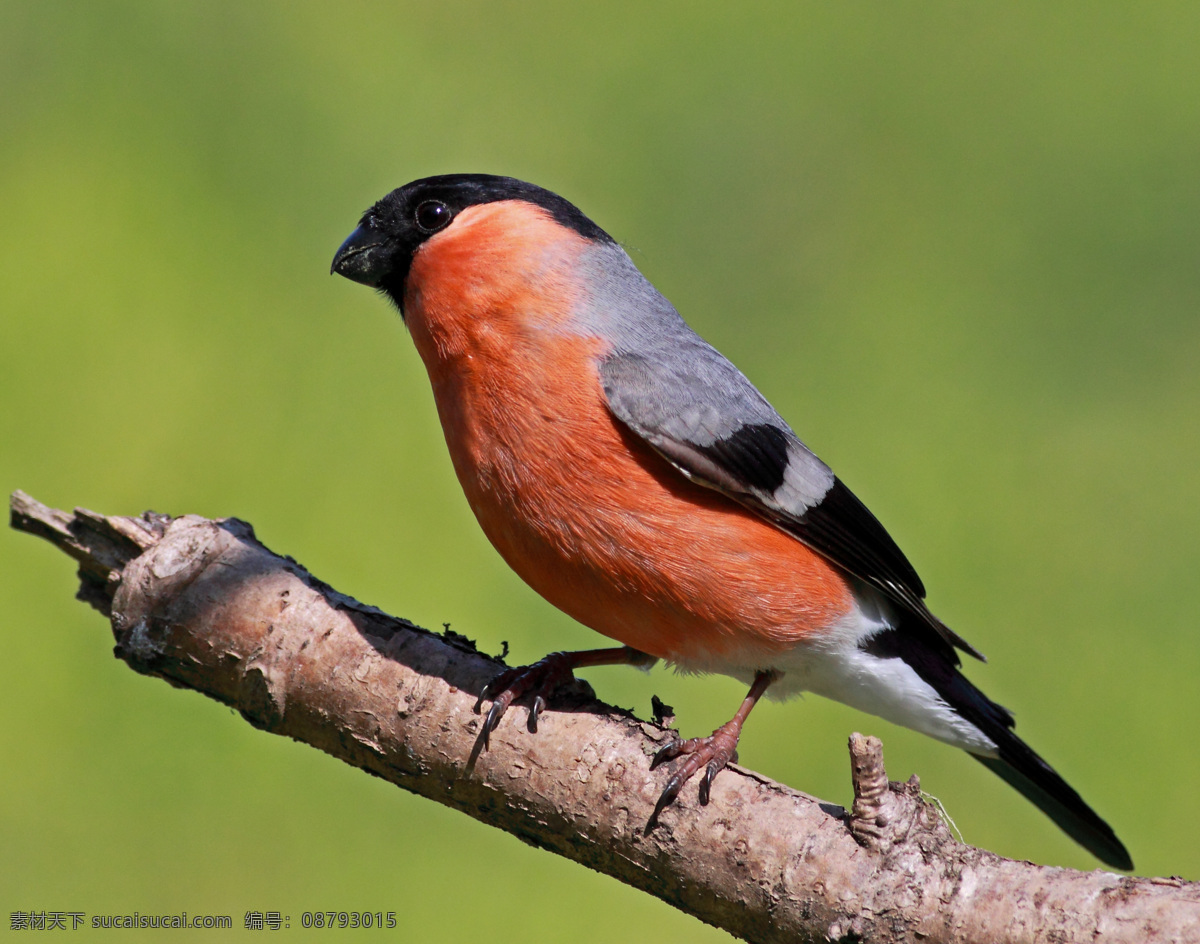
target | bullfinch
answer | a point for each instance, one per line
(631, 475)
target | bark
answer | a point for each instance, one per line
(203, 605)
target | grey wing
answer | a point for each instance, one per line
(701, 413)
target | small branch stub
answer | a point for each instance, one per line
(886, 813)
(874, 808)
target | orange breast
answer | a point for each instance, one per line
(583, 510)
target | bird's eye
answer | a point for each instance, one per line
(432, 215)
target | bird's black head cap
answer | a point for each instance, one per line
(380, 251)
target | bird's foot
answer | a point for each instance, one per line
(542, 678)
(712, 753)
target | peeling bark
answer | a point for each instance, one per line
(203, 605)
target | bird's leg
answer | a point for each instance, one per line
(714, 751)
(543, 677)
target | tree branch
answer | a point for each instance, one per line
(203, 605)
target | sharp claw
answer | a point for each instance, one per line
(674, 786)
(710, 774)
(492, 721)
(668, 752)
(665, 799)
(487, 693)
(539, 704)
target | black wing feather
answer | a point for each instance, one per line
(756, 454)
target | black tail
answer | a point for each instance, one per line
(935, 662)
(1037, 781)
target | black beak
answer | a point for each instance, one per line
(366, 257)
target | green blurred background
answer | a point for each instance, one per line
(956, 245)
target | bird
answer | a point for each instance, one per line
(639, 482)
